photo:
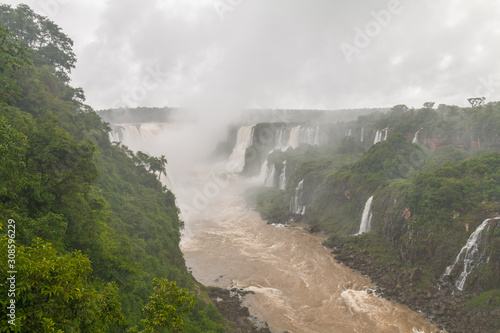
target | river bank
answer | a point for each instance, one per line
(230, 306)
(441, 303)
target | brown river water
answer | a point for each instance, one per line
(298, 286)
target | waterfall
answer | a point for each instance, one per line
(128, 135)
(308, 135)
(294, 140)
(140, 137)
(378, 135)
(244, 140)
(349, 132)
(362, 133)
(469, 254)
(415, 138)
(299, 135)
(366, 219)
(271, 171)
(282, 178)
(280, 138)
(296, 203)
(284, 139)
(115, 134)
(316, 136)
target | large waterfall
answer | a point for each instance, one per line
(470, 254)
(287, 138)
(136, 136)
(296, 202)
(295, 136)
(365, 225)
(142, 137)
(244, 140)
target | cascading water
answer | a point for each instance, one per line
(295, 283)
(366, 219)
(269, 181)
(470, 254)
(294, 139)
(415, 138)
(140, 137)
(244, 140)
(282, 178)
(316, 136)
(378, 135)
(362, 134)
(282, 137)
(286, 138)
(296, 202)
(299, 135)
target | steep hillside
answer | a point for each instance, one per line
(96, 233)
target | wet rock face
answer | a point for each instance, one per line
(440, 303)
(228, 302)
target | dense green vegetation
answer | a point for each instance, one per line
(428, 196)
(94, 226)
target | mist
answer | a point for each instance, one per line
(215, 59)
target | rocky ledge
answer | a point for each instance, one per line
(228, 302)
(442, 303)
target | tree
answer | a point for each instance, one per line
(400, 108)
(12, 155)
(53, 294)
(12, 60)
(166, 306)
(40, 34)
(476, 101)
(163, 165)
(429, 105)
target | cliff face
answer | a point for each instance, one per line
(434, 240)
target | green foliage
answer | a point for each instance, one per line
(12, 62)
(12, 151)
(64, 182)
(166, 306)
(486, 300)
(428, 197)
(52, 291)
(273, 205)
(39, 34)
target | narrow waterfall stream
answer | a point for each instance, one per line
(298, 285)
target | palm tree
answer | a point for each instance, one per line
(163, 165)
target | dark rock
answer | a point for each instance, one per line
(228, 303)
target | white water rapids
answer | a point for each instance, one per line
(298, 285)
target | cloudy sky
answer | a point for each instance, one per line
(322, 54)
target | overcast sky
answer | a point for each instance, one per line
(321, 54)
